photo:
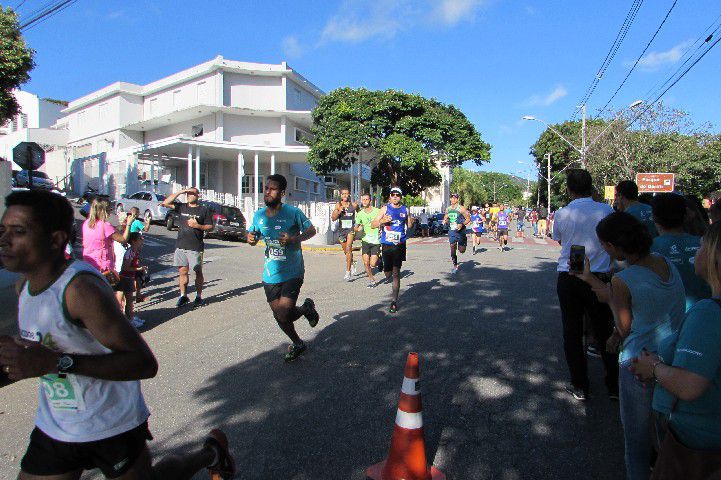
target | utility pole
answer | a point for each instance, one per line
(548, 181)
(583, 136)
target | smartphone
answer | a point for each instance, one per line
(577, 258)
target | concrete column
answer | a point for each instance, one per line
(219, 180)
(272, 163)
(190, 166)
(255, 181)
(197, 167)
(352, 182)
(152, 175)
(241, 172)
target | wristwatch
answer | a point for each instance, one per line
(66, 364)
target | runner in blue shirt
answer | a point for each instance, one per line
(477, 227)
(394, 220)
(504, 221)
(283, 228)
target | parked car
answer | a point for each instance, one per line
(228, 221)
(40, 180)
(148, 203)
(437, 227)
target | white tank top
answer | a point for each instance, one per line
(76, 408)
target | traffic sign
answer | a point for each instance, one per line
(655, 182)
(28, 155)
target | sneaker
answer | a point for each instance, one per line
(347, 277)
(454, 269)
(372, 284)
(577, 392)
(311, 313)
(592, 351)
(353, 270)
(224, 466)
(198, 302)
(182, 301)
(474, 250)
(137, 322)
(393, 308)
(294, 351)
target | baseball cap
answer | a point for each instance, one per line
(397, 190)
(454, 194)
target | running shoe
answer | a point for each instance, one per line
(474, 250)
(353, 270)
(310, 312)
(224, 465)
(137, 322)
(454, 269)
(577, 392)
(294, 351)
(198, 302)
(182, 301)
(347, 277)
(372, 284)
(592, 351)
(393, 308)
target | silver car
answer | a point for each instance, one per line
(148, 203)
(40, 180)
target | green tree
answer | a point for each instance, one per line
(16, 61)
(402, 135)
(477, 188)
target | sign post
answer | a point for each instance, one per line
(29, 156)
(656, 182)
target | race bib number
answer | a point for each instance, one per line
(62, 393)
(276, 251)
(346, 224)
(393, 236)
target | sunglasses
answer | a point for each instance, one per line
(395, 194)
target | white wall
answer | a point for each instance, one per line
(48, 114)
(252, 130)
(253, 91)
(181, 96)
(184, 128)
(97, 118)
(298, 98)
(130, 109)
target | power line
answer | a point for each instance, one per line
(601, 110)
(46, 15)
(650, 104)
(620, 37)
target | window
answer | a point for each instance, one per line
(13, 125)
(196, 130)
(247, 185)
(81, 118)
(23, 120)
(302, 136)
(153, 106)
(137, 196)
(305, 185)
(176, 98)
(329, 180)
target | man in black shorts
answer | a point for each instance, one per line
(88, 359)
(194, 221)
(283, 227)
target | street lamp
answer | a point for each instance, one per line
(584, 147)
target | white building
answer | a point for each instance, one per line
(36, 122)
(221, 126)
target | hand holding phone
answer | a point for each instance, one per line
(577, 258)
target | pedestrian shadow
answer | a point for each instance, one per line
(492, 376)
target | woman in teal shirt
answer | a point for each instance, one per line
(687, 369)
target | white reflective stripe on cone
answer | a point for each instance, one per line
(410, 386)
(409, 421)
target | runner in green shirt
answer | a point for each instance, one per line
(370, 243)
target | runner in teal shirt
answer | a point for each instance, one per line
(282, 263)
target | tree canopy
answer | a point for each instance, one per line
(477, 188)
(661, 140)
(16, 61)
(402, 135)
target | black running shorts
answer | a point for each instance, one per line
(114, 456)
(370, 249)
(393, 256)
(289, 289)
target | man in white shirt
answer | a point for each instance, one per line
(423, 222)
(575, 224)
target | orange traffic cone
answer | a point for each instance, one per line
(407, 456)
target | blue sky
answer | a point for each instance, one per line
(497, 60)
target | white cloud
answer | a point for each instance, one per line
(549, 99)
(655, 60)
(292, 47)
(359, 20)
(450, 12)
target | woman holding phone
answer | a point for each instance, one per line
(648, 303)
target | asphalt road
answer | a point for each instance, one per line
(492, 369)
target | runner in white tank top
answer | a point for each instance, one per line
(90, 360)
